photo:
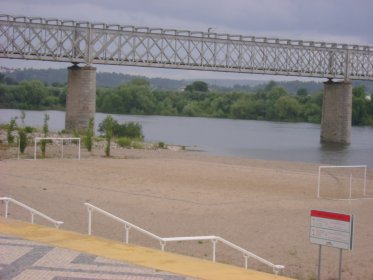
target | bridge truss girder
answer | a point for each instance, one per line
(89, 43)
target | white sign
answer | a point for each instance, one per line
(331, 229)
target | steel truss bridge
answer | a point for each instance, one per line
(99, 43)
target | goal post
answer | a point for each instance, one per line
(343, 177)
(61, 139)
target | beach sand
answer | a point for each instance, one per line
(262, 206)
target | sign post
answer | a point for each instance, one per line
(333, 230)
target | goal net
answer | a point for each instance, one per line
(57, 147)
(342, 182)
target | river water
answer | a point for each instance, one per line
(242, 138)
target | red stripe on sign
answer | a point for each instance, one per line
(331, 215)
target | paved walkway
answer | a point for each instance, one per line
(22, 259)
(36, 252)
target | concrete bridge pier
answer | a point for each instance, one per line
(81, 97)
(336, 113)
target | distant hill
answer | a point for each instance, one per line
(103, 79)
(106, 79)
(47, 76)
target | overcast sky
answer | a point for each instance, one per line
(343, 21)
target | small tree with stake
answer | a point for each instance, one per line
(22, 134)
(45, 132)
(88, 138)
(11, 126)
(108, 127)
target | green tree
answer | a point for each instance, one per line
(189, 88)
(287, 108)
(43, 143)
(11, 127)
(22, 140)
(34, 92)
(22, 133)
(107, 126)
(200, 86)
(244, 108)
(276, 92)
(88, 138)
(135, 97)
(302, 95)
(312, 113)
(271, 84)
(359, 106)
(197, 86)
(192, 109)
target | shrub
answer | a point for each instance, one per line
(162, 145)
(137, 145)
(11, 126)
(108, 129)
(22, 140)
(29, 129)
(127, 129)
(124, 142)
(45, 132)
(88, 138)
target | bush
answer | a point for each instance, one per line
(29, 129)
(124, 142)
(127, 129)
(162, 145)
(89, 135)
(11, 126)
(137, 145)
(22, 140)
(45, 132)
(108, 129)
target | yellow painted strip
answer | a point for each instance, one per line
(146, 257)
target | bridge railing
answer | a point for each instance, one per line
(214, 239)
(100, 43)
(32, 211)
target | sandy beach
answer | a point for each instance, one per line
(262, 206)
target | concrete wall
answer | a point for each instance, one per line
(81, 97)
(336, 113)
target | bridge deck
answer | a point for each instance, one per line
(92, 43)
(95, 262)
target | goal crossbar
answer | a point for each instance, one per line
(343, 166)
(36, 139)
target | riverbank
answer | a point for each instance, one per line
(298, 142)
(262, 206)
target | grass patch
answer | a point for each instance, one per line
(126, 142)
(137, 145)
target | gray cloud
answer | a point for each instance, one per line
(326, 18)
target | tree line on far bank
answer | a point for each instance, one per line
(272, 103)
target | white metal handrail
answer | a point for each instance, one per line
(32, 211)
(214, 239)
(127, 225)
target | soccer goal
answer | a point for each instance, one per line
(342, 182)
(63, 147)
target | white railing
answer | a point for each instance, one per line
(163, 241)
(32, 211)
